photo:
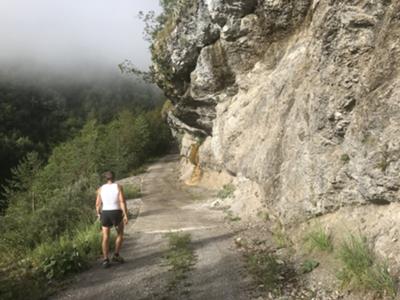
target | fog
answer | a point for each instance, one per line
(72, 36)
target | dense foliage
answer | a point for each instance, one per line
(37, 115)
(64, 187)
(47, 228)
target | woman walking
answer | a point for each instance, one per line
(112, 211)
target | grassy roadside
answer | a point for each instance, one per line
(38, 275)
(131, 191)
(359, 267)
(267, 270)
(180, 257)
(280, 270)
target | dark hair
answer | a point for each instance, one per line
(109, 175)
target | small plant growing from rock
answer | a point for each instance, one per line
(280, 237)
(320, 239)
(308, 265)
(231, 217)
(384, 162)
(263, 215)
(345, 158)
(200, 140)
(167, 107)
(226, 191)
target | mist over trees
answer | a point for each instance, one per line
(58, 134)
(39, 112)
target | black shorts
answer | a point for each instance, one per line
(110, 218)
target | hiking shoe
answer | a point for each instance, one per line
(117, 258)
(105, 263)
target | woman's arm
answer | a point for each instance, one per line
(122, 203)
(98, 203)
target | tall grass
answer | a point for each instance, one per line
(362, 270)
(265, 269)
(33, 277)
(70, 254)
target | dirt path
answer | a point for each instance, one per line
(167, 206)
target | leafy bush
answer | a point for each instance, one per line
(20, 282)
(48, 262)
(64, 260)
(68, 254)
(361, 268)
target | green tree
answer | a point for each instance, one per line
(141, 140)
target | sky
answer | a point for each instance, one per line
(73, 35)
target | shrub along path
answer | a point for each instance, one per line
(215, 270)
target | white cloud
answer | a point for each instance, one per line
(66, 33)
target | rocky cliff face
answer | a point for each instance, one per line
(298, 100)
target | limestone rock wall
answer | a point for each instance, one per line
(299, 97)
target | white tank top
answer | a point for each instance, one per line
(109, 196)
